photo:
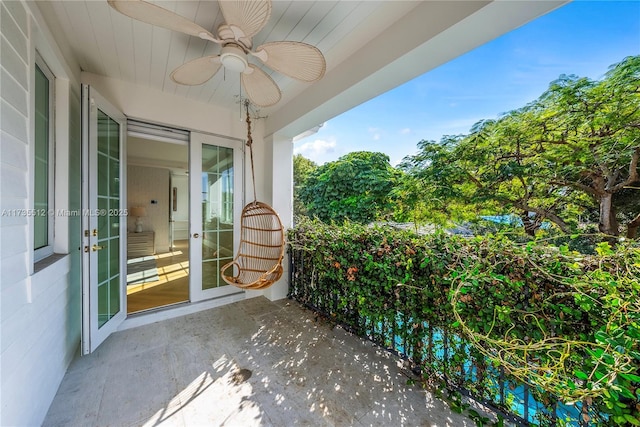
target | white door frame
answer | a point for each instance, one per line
(197, 140)
(93, 334)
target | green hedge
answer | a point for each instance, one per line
(566, 324)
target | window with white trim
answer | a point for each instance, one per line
(43, 162)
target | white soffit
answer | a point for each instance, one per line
(431, 34)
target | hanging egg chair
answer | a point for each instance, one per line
(258, 262)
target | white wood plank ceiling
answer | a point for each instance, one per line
(370, 46)
(108, 43)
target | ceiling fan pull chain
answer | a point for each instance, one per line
(250, 144)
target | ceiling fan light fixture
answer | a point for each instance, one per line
(234, 58)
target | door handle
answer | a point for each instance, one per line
(196, 235)
(97, 248)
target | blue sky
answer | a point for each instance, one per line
(582, 38)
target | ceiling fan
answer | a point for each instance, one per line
(243, 20)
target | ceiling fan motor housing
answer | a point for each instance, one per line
(234, 58)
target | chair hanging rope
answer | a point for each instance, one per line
(258, 263)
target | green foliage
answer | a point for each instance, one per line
(354, 187)
(569, 158)
(563, 322)
(433, 188)
(572, 154)
(302, 168)
(566, 323)
(590, 137)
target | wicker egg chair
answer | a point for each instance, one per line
(258, 262)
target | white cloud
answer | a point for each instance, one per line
(315, 150)
(375, 133)
(405, 131)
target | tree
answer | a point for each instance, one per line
(503, 161)
(302, 168)
(354, 187)
(432, 188)
(627, 204)
(590, 135)
(574, 150)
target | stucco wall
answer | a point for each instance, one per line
(40, 313)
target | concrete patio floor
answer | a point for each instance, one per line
(250, 363)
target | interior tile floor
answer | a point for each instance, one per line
(250, 363)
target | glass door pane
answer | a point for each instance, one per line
(108, 245)
(215, 185)
(217, 213)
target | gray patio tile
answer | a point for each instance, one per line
(137, 388)
(295, 371)
(258, 307)
(83, 385)
(134, 341)
(412, 408)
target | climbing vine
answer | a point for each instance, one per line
(574, 333)
(565, 323)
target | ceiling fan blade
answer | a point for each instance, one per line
(297, 60)
(198, 71)
(156, 15)
(260, 88)
(246, 18)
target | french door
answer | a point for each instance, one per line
(103, 219)
(215, 175)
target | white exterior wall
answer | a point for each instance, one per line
(273, 164)
(280, 181)
(39, 313)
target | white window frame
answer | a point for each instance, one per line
(45, 251)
